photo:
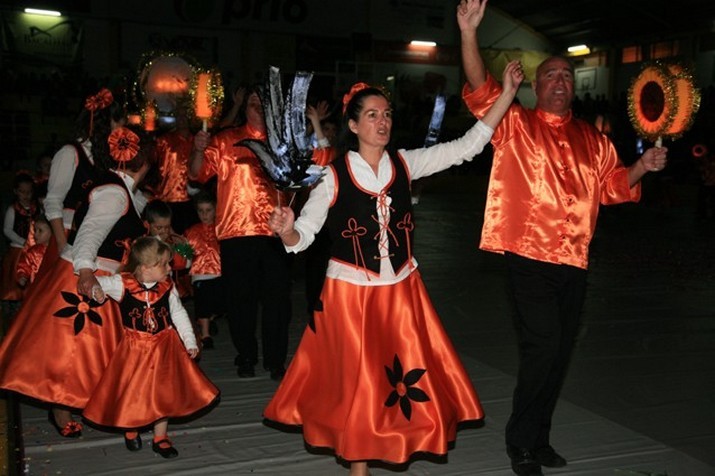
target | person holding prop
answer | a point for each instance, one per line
(550, 174)
(375, 376)
(61, 340)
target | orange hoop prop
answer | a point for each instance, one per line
(688, 99)
(662, 101)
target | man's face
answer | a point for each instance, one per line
(554, 86)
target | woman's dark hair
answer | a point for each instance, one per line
(347, 140)
(101, 128)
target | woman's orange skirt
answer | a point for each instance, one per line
(375, 376)
(149, 378)
(59, 342)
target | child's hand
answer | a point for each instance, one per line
(513, 76)
(98, 294)
(193, 353)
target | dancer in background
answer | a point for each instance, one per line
(17, 227)
(31, 258)
(209, 297)
(61, 340)
(77, 165)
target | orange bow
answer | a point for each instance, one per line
(123, 144)
(99, 101)
(357, 87)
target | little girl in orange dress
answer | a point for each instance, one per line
(151, 376)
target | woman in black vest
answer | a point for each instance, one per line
(61, 340)
(375, 376)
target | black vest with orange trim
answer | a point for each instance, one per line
(127, 228)
(85, 176)
(145, 309)
(353, 221)
(23, 219)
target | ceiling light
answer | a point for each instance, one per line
(49, 13)
(423, 43)
(578, 50)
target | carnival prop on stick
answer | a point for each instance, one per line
(207, 94)
(286, 156)
(662, 102)
(435, 123)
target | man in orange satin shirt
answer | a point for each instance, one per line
(254, 264)
(550, 174)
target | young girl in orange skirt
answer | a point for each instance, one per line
(375, 376)
(151, 377)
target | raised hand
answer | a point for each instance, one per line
(470, 14)
(513, 76)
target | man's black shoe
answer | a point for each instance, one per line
(278, 373)
(246, 370)
(547, 456)
(523, 461)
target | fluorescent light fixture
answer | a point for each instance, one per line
(579, 50)
(49, 13)
(423, 43)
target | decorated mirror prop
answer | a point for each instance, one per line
(662, 101)
(162, 85)
(207, 96)
(286, 155)
(435, 123)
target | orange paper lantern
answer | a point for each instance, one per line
(203, 103)
(150, 117)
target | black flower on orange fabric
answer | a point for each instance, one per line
(404, 391)
(81, 308)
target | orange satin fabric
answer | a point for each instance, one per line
(149, 377)
(9, 289)
(207, 260)
(245, 195)
(41, 356)
(337, 386)
(548, 178)
(173, 151)
(324, 156)
(29, 263)
(51, 256)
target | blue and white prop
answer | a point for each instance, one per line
(286, 155)
(435, 123)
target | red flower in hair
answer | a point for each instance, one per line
(357, 87)
(99, 101)
(123, 144)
